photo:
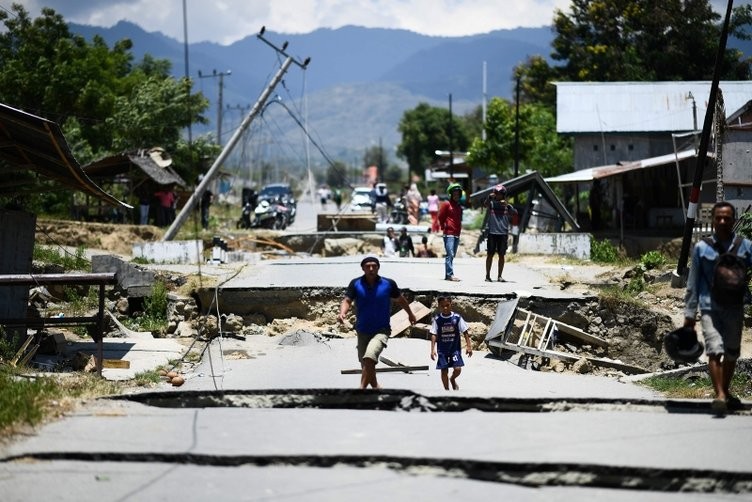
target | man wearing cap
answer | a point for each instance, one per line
(499, 214)
(450, 221)
(373, 295)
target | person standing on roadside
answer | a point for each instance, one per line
(450, 221)
(499, 215)
(721, 318)
(373, 296)
(433, 210)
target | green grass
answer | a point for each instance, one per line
(28, 401)
(61, 257)
(698, 387)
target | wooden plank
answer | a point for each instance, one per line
(394, 364)
(581, 335)
(575, 332)
(120, 364)
(554, 354)
(387, 370)
(400, 321)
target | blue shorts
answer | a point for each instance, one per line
(453, 360)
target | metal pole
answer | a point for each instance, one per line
(517, 131)
(679, 278)
(196, 196)
(451, 141)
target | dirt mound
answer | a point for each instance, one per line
(115, 238)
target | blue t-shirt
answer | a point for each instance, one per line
(448, 330)
(373, 303)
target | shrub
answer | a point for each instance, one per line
(603, 251)
(652, 259)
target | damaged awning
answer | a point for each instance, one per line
(595, 173)
(33, 150)
(142, 163)
(530, 182)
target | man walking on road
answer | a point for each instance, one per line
(499, 215)
(450, 221)
(373, 295)
(721, 313)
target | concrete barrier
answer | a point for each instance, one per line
(170, 251)
(576, 245)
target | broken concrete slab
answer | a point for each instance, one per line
(135, 280)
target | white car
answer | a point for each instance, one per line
(360, 200)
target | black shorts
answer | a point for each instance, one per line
(497, 244)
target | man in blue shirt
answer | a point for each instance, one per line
(373, 297)
(721, 323)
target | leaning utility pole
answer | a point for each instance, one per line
(679, 278)
(196, 196)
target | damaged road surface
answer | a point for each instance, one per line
(283, 422)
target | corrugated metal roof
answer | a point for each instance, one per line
(594, 173)
(34, 150)
(632, 107)
(109, 167)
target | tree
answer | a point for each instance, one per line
(614, 40)
(97, 95)
(426, 129)
(641, 40)
(540, 148)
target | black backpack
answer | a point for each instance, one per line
(730, 277)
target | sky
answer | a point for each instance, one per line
(226, 21)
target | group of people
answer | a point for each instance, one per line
(403, 246)
(448, 219)
(500, 214)
(721, 315)
(373, 295)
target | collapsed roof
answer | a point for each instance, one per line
(33, 150)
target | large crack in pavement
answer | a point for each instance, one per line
(404, 400)
(529, 474)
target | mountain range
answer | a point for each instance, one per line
(352, 94)
(355, 89)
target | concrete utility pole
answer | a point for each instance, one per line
(221, 76)
(201, 188)
(679, 278)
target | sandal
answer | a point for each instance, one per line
(719, 407)
(733, 403)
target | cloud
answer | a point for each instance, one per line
(226, 21)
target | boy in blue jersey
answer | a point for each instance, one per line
(373, 297)
(446, 345)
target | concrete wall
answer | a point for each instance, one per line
(170, 251)
(16, 252)
(576, 245)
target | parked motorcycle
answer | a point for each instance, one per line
(245, 217)
(271, 214)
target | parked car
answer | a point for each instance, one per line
(273, 190)
(361, 200)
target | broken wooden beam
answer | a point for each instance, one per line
(406, 369)
(400, 322)
(563, 356)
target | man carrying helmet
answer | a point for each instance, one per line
(499, 216)
(721, 320)
(450, 222)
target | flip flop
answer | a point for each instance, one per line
(719, 407)
(733, 403)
